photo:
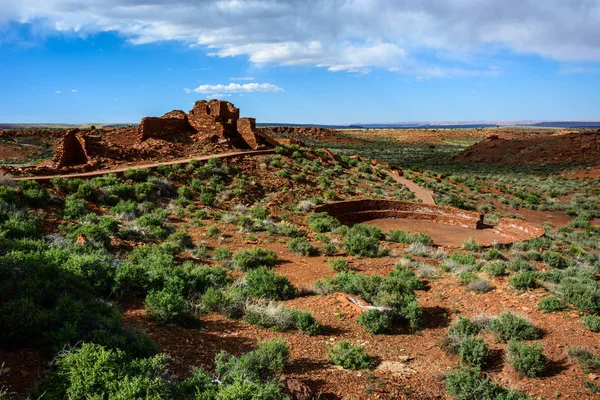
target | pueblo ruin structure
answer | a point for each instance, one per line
(209, 122)
(215, 120)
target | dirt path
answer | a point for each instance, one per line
(420, 192)
(93, 174)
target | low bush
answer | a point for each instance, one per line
(263, 283)
(527, 359)
(474, 351)
(588, 362)
(74, 207)
(306, 323)
(375, 321)
(251, 259)
(508, 326)
(138, 175)
(363, 240)
(462, 258)
(523, 280)
(493, 254)
(463, 327)
(400, 236)
(548, 304)
(338, 264)
(167, 305)
(554, 259)
(494, 269)
(322, 222)
(468, 384)
(301, 246)
(471, 244)
(583, 294)
(466, 278)
(93, 371)
(591, 322)
(479, 285)
(350, 356)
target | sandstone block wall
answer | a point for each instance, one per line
(246, 127)
(162, 128)
(71, 152)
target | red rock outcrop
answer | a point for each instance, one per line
(71, 151)
(246, 127)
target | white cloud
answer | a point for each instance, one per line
(74, 91)
(187, 90)
(242, 78)
(57, 92)
(340, 35)
(238, 88)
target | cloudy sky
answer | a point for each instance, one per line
(309, 61)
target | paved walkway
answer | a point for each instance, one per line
(101, 172)
(420, 192)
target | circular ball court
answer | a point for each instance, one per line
(447, 226)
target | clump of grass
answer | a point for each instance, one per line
(350, 356)
(527, 359)
(480, 285)
(400, 236)
(263, 283)
(469, 384)
(494, 269)
(471, 244)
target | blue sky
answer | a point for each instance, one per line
(315, 61)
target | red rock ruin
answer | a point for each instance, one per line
(72, 150)
(215, 120)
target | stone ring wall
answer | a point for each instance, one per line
(357, 211)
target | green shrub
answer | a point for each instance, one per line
(93, 371)
(474, 351)
(301, 246)
(33, 193)
(251, 259)
(138, 175)
(494, 269)
(178, 241)
(508, 326)
(375, 321)
(322, 222)
(152, 227)
(213, 299)
(222, 254)
(588, 362)
(338, 264)
(463, 327)
(259, 212)
(479, 285)
(74, 207)
(471, 244)
(462, 258)
(213, 232)
(329, 249)
(548, 304)
(400, 236)
(468, 384)
(257, 365)
(307, 324)
(262, 282)
(466, 277)
(585, 295)
(493, 254)
(519, 265)
(167, 305)
(363, 240)
(523, 280)
(527, 359)
(591, 322)
(554, 259)
(350, 356)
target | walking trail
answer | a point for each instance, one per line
(420, 192)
